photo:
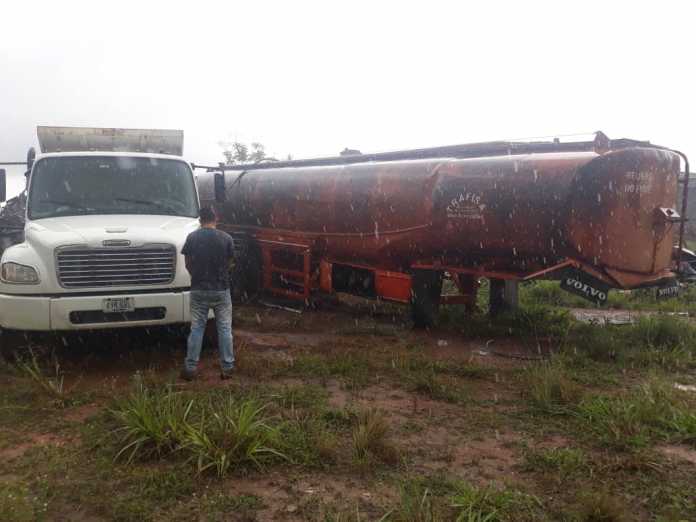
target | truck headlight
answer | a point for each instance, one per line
(21, 274)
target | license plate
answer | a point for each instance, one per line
(114, 305)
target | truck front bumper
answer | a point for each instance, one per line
(39, 313)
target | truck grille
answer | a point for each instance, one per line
(100, 267)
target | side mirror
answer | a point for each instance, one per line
(3, 185)
(31, 155)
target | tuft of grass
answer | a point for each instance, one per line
(549, 388)
(53, 386)
(416, 505)
(308, 439)
(231, 434)
(438, 499)
(371, 442)
(302, 396)
(150, 421)
(599, 507)
(221, 433)
(427, 382)
(562, 461)
(474, 504)
(223, 506)
(431, 378)
(601, 344)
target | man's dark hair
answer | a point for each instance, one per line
(207, 215)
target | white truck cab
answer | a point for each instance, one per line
(107, 213)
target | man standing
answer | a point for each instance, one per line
(209, 253)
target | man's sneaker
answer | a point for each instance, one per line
(188, 375)
(226, 374)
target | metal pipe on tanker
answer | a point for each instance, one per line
(685, 199)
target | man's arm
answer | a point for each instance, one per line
(230, 253)
(186, 251)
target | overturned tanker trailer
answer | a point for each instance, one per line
(596, 214)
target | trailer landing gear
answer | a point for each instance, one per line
(503, 296)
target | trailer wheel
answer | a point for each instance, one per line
(426, 288)
(246, 276)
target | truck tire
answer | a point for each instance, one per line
(426, 288)
(12, 343)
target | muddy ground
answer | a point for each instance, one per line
(465, 424)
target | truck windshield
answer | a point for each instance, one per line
(72, 186)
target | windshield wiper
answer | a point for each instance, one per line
(149, 203)
(70, 204)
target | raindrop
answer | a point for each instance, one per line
(536, 176)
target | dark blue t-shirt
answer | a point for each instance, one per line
(210, 252)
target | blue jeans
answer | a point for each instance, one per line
(221, 303)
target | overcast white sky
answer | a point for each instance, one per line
(310, 78)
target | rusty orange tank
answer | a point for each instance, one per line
(601, 214)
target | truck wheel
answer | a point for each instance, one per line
(11, 343)
(426, 287)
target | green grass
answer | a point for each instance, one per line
(488, 504)
(19, 504)
(309, 439)
(599, 507)
(549, 388)
(150, 421)
(200, 452)
(371, 440)
(219, 432)
(416, 505)
(300, 396)
(231, 434)
(532, 324)
(549, 293)
(562, 462)
(632, 420)
(441, 499)
(661, 341)
(52, 385)
(354, 367)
